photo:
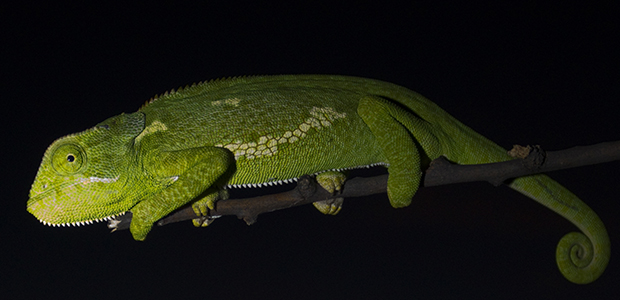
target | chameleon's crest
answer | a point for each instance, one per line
(156, 97)
(186, 88)
(191, 89)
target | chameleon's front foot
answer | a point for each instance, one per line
(202, 206)
(333, 182)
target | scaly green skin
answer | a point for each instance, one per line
(186, 146)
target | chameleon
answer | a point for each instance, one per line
(192, 145)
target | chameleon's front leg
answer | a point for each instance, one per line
(186, 174)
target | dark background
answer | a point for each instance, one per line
(528, 73)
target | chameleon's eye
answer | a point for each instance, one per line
(68, 159)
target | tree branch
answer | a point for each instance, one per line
(532, 160)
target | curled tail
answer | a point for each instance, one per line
(581, 256)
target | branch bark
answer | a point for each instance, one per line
(531, 160)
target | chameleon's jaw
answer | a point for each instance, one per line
(81, 223)
(56, 216)
(58, 210)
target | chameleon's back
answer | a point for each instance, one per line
(280, 110)
(278, 128)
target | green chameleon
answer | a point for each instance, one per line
(191, 145)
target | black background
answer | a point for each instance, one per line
(529, 73)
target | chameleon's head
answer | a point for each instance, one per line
(83, 176)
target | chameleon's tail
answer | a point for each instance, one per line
(581, 256)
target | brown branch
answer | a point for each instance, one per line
(533, 160)
(305, 192)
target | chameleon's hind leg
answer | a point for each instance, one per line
(332, 181)
(395, 130)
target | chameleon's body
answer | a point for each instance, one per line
(186, 146)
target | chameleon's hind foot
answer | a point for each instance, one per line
(333, 182)
(329, 207)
